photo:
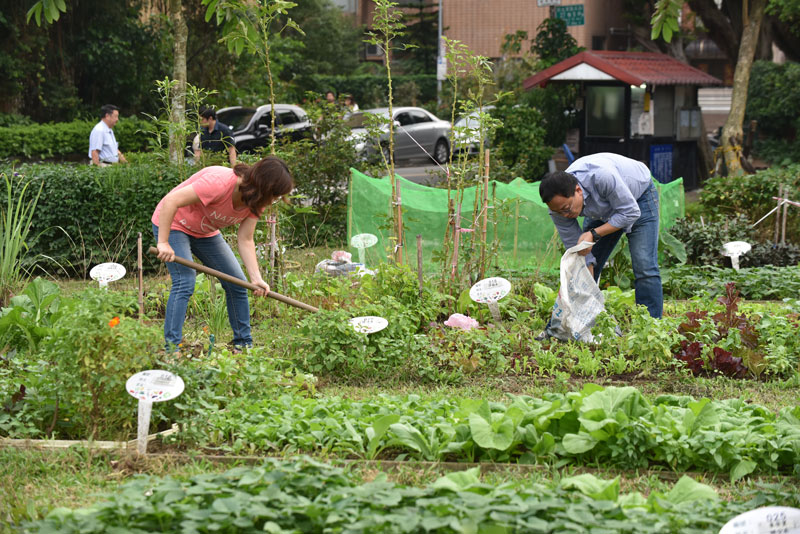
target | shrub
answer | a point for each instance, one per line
(322, 173)
(89, 215)
(704, 239)
(520, 142)
(68, 138)
(771, 101)
(751, 195)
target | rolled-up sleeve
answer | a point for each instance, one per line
(625, 209)
(570, 231)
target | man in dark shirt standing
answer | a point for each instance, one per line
(215, 136)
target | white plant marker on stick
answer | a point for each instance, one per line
(766, 520)
(488, 291)
(149, 387)
(734, 249)
(107, 272)
(369, 324)
(363, 242)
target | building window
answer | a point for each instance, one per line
(605, 111)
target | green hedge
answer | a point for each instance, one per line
(751, 195)
(88, 215)
(69, 138)
(772, 102)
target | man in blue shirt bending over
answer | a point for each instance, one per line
(614, 194)
(103, 146)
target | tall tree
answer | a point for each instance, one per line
(51, 10)
(738, 45)
(181, 35)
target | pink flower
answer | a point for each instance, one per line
(463, 322)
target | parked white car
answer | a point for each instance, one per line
(417, 134)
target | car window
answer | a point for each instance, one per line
(236, 119)
(266, 119)
(418, 117)
(287, 117)
(404, 119)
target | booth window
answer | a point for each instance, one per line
(605, 111)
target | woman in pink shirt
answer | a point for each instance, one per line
(187, 221)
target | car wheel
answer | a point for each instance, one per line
(441, 152)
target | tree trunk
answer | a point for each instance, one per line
(178, 107)
(732, 130)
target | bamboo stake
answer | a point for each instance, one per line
(399, 220)
(485, 218)
(516, 230)
(141, 274)
(419, 262)
(778, 213)
(273, 221)
(238, 282)
(785, 213)
(456, 234)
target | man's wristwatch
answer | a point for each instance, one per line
(595, 235)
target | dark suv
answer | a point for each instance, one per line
(251, 126)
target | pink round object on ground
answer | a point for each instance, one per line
(341, 255)
(463, 322)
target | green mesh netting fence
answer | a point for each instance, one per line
(518, 221)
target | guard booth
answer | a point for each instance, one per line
(639, 104)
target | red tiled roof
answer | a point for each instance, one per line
(634, 68)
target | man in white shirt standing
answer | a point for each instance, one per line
(103, 146)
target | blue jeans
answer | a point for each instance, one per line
(643, 244)
(214, 252)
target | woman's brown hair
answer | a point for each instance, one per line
(264, 182)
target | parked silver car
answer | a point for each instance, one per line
(417, 134)
(467, 135)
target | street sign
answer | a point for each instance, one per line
(441, 68)
(546, 3)
(572, 15)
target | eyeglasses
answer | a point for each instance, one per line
(567, 209)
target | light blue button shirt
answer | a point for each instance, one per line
(102, 139)
(611, 185)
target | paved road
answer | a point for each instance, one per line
(425, 174)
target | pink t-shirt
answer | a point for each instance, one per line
(214, 185)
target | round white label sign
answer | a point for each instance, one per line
(490, 290)
(154, 385)
(736, 248)
(369, 324)
(363, 240)
(767, 520)
(107, 272)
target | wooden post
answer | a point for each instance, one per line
(516, 230)
(398, 204)
(778, 213)
(456, 235)
(786, 190)
(485, 208)
(273, 220)
(419, 263)
(141, 276)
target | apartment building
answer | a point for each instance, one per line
(481, 25)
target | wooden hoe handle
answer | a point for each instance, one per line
(238, 282)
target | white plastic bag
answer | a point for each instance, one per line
(579, 299)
